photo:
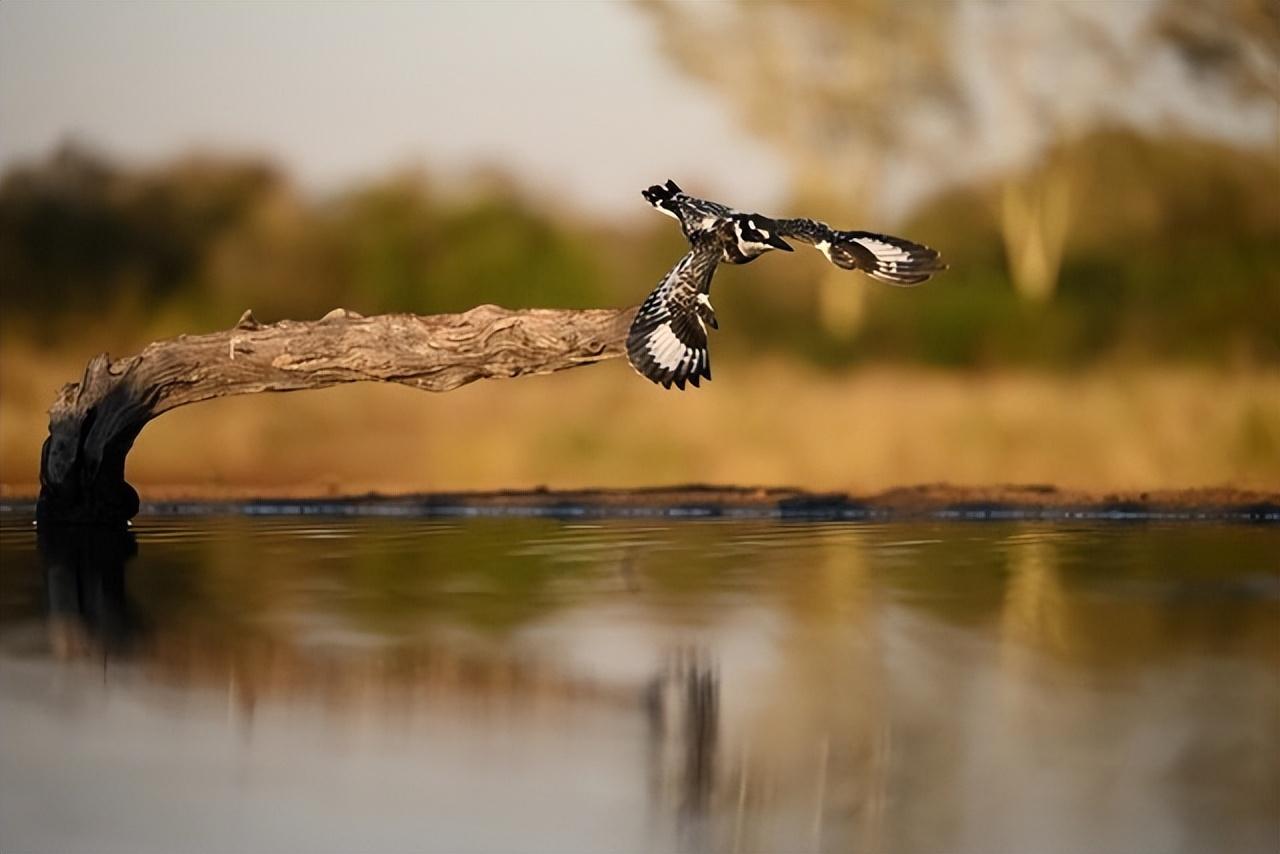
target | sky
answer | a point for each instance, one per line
(569, 96)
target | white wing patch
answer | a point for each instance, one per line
(667, 350)
(886, 253)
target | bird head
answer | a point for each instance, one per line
(757, 234)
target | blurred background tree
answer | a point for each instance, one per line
(867, 99)
(1233, 43)
(845, 91)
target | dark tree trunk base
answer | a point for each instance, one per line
(93, 423)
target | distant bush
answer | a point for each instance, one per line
(1173, 254)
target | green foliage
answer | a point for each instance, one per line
(1173, 254)
(77, 233)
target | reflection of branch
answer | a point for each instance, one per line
(90, 611)
(93, 423)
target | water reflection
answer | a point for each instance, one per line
(89, 609)
(529, 684)
(682, 704)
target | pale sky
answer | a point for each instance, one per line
(573, 95)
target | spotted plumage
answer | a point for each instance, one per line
(667, 342)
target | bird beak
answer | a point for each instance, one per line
(778, 243)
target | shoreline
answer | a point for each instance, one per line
(940, 502)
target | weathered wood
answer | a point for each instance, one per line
(93, 423)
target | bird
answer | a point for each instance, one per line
(667, 341)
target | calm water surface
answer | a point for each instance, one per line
(235, 684)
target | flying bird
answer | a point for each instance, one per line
(667, 342)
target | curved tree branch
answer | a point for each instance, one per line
(93, 423)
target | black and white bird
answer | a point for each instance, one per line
(668, 338)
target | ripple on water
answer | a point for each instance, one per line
(311, 681)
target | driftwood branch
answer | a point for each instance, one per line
(93, 423)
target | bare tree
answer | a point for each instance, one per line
(93, 423)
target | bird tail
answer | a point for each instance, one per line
(888, 259)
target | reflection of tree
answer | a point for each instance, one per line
(814, 743)
(89, 609)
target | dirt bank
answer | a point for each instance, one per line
(938, 501)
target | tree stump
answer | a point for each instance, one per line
(93, 423)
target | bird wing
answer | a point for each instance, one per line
(668, 338)
(880, 256)
(693, 214)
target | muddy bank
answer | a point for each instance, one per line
(936, 501)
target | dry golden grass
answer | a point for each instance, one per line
(762, 423)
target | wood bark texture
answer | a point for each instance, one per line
(93, 423)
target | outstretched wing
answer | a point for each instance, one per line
(668, 338)
(880, 256)
(694, 214)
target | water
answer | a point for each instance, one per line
(282, 684)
